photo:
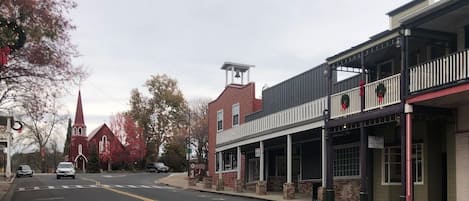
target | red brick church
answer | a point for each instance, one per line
(101, 139)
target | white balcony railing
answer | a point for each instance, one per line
(372, 99)
(307, 111)
(392, 96)
(440, 71)
(338, 110)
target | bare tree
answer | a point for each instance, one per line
(42, 120)
(199, 128)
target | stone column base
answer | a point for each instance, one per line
(261, 188)
(321, 193)
(239, 186)
(288, 191)
(192, 181)
(207, 182)
(220, 185)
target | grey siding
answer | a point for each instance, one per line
(297, 90)
(303, 88)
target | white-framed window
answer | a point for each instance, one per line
(80, 149)
(235, 114)
(220, 120)
(79, 131)
(347, 161)
(217, 159)
(229, 161)
(253, 172)
(102, 144)
(391, 164)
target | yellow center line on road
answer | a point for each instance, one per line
(107, 187)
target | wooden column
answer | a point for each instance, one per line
(261, 161)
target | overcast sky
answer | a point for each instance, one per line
(122, 43)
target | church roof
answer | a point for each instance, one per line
(95, 131)
(79, 120)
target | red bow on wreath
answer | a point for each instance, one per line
(4, 53)
(362, 88)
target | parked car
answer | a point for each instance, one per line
(65, 169)
(157, 167)
(24, 170)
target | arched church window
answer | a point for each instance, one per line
(80, 149)
(79, 131)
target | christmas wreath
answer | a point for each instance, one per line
(345, 101)
(380, 92)
(12, 37)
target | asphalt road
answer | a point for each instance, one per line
(107, 187)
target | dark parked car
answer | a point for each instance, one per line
(157, 167)
(24, 170)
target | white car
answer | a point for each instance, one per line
(65, 169)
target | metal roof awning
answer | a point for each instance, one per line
(378, 42)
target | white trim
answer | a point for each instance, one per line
(233, 114)
(76, 158)
(265, 137)
(220, 112)
(384, 183)
(226, 171)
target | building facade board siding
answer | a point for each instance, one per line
(303, 88)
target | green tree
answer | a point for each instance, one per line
(93, 161)
(161, 114)
(174, 153)
(68, 139)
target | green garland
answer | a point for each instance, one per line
(345, 101)
(380, 91)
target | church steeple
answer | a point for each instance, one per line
(79, 127)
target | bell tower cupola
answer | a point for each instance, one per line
(236, 73)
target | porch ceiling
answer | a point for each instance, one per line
(449, 101)
(449, 22)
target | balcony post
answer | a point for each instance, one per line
(408, 147)
(363, 138)
(330, 194)
(402, 120)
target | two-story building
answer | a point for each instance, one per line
(395, 131)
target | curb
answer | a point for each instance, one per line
(213, 191)
(7, 196)
(229, 193)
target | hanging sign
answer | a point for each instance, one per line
(258, 152)
(376, 142)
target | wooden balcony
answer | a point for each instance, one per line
(373, 100)
(439, 72)
(298, 114)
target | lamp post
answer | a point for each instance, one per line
(188, 148)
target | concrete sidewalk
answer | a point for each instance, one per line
(180, 180)
(5, 187)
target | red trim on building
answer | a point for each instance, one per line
(438, 94)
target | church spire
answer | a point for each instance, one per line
(79, 120)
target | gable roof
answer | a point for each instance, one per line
(79, 120)
(100, 129)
